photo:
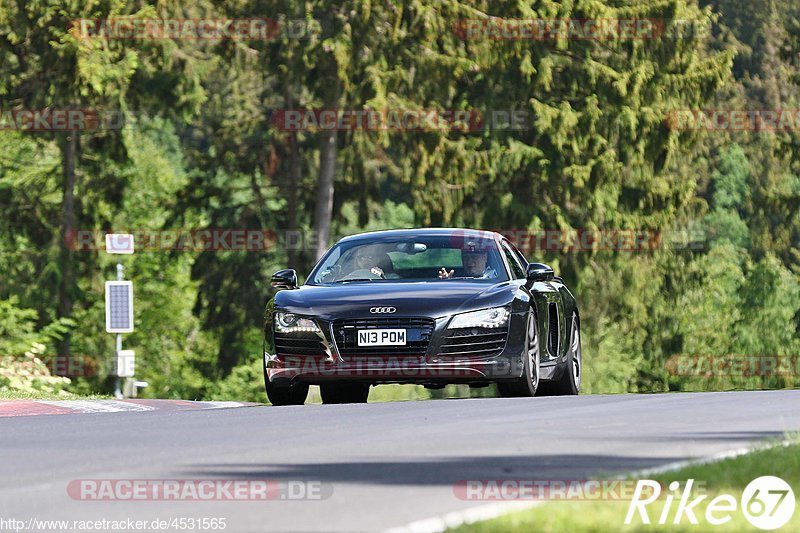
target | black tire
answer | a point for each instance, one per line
(278, 395)
(294, 394)
(570, 382)
(344, 392)
(527, 385)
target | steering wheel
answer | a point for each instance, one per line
(361, 273)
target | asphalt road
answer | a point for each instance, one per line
(377, 466)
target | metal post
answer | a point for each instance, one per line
(117, 390)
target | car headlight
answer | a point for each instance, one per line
(291, 323)
(496, 317)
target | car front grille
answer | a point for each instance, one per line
(469, 342)
(299, 344)
(418, 336)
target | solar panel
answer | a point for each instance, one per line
(119, 306)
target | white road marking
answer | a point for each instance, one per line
(98, 406)
(223, 405)
(480, 513)
(730, 454)
(28, 407)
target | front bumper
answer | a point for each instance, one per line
(391, 370)
(434, 366)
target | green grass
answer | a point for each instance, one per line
(7, 394)
(400, 393)
(393, 393)
(729, 476)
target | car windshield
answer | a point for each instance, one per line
(439, 258)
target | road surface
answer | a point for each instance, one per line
(373, 466)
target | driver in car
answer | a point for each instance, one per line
(475, 263)
(369, 258)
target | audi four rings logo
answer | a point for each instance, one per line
(382, 309)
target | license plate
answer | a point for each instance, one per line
(381, 337)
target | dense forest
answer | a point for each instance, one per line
(684, 134)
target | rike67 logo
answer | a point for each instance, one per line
(767, 502)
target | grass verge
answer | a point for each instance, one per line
(729, 476)
(400, 393)
(8, 394)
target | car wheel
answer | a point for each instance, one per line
(344, 392)
(527, 385)
(570, 382)
(294, 394)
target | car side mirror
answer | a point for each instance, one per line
(284, 279)
(539, 272)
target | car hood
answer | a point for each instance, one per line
(428, 299)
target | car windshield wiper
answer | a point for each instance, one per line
(353, 279)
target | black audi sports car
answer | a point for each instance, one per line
(425, 306)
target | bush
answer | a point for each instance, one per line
(21, 348)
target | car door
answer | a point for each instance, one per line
(548, 303)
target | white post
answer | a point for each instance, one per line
(119, 244)
(117, 391)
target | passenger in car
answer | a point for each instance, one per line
(475, 263)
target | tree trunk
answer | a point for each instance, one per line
(324, 208)
(69, 150)
(295, 175)
(363, 197)
(323, 211)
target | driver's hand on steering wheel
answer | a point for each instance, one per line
(444, 274)
(377, 271)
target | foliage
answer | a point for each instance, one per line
(201, 149)
(22, 349)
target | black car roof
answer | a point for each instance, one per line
(420, 232)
